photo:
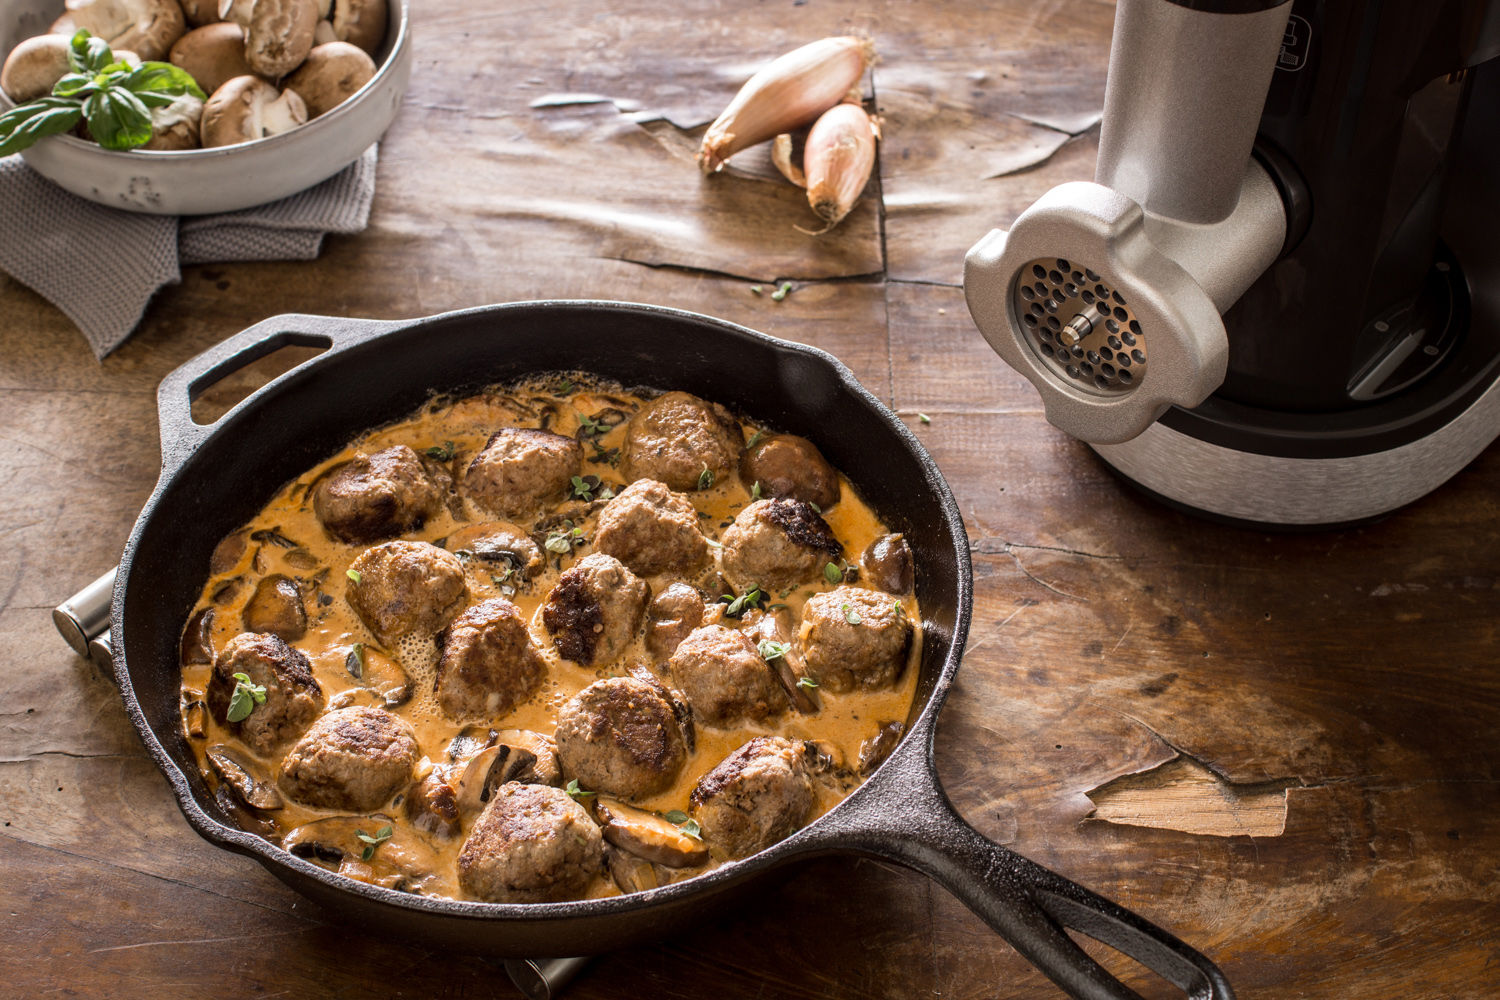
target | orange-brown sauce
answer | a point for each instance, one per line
(319, 562)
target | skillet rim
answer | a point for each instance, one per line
(178, 447)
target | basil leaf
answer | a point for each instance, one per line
(73, 85)
(87, 54)
(21, 126)
(117, 119)
(162, 78)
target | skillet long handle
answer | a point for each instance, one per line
(910, 821)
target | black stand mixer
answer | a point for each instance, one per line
(1278, 304)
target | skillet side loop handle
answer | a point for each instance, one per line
(180, 435)
(910, 821)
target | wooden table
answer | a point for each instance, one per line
(1282, 747)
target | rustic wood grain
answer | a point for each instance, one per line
(1115, 642)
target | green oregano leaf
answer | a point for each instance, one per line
(245, 697)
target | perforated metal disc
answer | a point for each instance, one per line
(1055, 300)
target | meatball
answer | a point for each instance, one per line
(532, 844)
(722, 675)
(758, 795)
(675, 612)
(620, 736)
(353, 759)
(373, 497)
(594, 610)
(488, 664)
(521, 468)
(652, 530)
(404, 587)
(789, 466)
(677, 437)
(777, 544)
(293, 697)
(854, 638)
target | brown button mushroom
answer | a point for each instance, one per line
(648, 836)
(200, 13)
(212, 55)
(34, 67)
(888, 564)
(278, 33)
(248, 108)
(358, 22)
(176, 126)
(145, 27)
(789, 466)
(331, 74)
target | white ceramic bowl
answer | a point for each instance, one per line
(226, 178)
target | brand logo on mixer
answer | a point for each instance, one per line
(1295, 44)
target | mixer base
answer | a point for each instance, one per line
(1307, 494)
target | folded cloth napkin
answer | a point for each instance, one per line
(74, 252)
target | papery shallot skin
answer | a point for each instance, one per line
(839, 157)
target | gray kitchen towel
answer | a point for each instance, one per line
(101, 266)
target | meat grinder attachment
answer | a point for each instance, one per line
(1109, 296)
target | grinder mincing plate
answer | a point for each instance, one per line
(1278, 303)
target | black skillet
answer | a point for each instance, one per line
(214, 478)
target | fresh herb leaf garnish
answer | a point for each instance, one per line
(751, 598)
(692, 829)
(899, 609)
(706, 477)
(355, 575)
(563, 540)
(443, 452)
(754, 440)
(592, 426)
(676, 816)
(565, 387)
(582, 490)
(755, 491)
(755, 289)
(815, 507)
(355, 661)
(850, 615)
(780, 293)
(832, 573)
(576, 792)
(806, 683)
(114, 99)
(604, 456)
(381, 836)
(244, 699)
(772, 650)
(606, 492)
(924, 418)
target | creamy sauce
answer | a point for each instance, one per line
(319, 562)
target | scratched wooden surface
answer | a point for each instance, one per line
(1327, 706)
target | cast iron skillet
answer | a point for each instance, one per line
(216, 477)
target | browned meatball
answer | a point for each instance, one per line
(675, 612)
(677, 437)
(652, 530)
(789, 466)
(594, 610)
(293, 696)
(405, 587)
(758, 795)
(373, 497)
(777, 544)
(521, 468)
(854, 638)
(353, 759)
(532, 844)
(722, 675)
(620, 736)
(488, 665)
